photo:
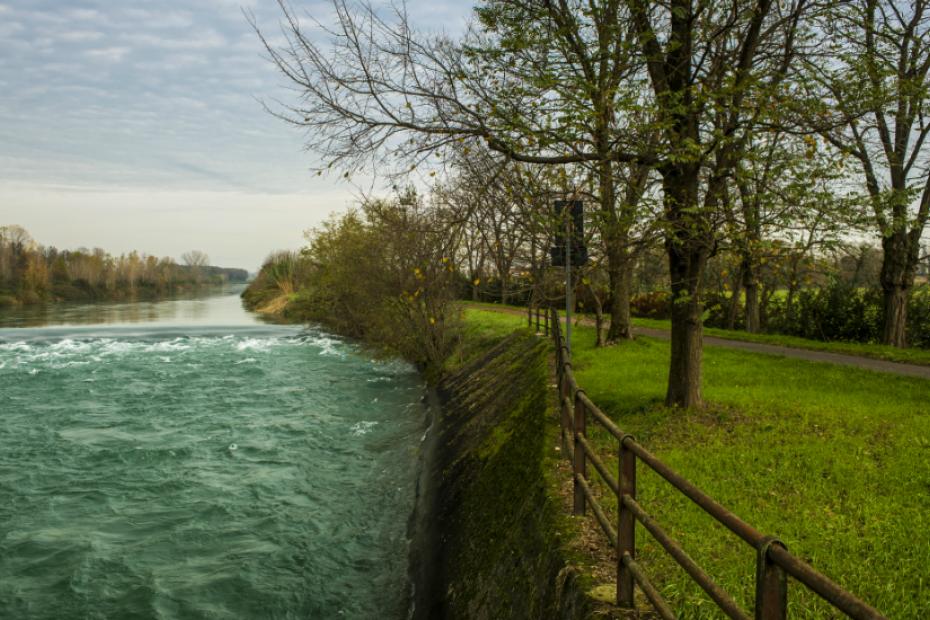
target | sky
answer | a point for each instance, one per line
(138, 125)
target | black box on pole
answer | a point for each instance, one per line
(579, 251)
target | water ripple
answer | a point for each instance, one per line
(211, 473)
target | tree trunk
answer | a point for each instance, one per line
(753, 320)
(620, 271)
(733, 309)
(752, 295)
(620, 261)
(684, 377)
(688, 248)
(897, 277)
(895, 330)
(598, 319)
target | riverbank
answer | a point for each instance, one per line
(83, 293)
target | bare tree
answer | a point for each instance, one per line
(196, 261)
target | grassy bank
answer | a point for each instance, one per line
(835, 461)
(875, 351)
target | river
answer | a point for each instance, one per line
(182, 459)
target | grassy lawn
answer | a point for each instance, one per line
(876, 351)
(835, 461)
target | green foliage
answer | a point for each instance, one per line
(382, 274)
(838, 311)
(652, 305)
(278, 281)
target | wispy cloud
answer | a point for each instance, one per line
(108, 54)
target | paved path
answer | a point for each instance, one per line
(898, 368)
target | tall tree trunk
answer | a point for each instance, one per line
(753, 321)
(895, 313)
(620, 272)
(752, 295)
(793, 281)
(897, 278)
(684, 378)
(598, 318)
(752, 208)
(616, 240)
(733, 309)
(765, 298)
(688, 250)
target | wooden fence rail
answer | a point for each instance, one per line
(774, 563)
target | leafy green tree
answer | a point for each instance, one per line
(869, 91)
(713, 69)
(782, 185)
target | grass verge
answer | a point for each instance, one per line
(875, 351)
(835, 461)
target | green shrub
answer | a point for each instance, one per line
(383, 274)
(652, 305)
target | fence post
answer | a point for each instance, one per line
(580, 465)
(771, 584)
(537, 319)
(529, 315)
(546, 322)
(563, 410)
(626, 525)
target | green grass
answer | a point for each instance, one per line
(876, 351)
(833, 460)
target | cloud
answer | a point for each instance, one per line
(204, 40)
(80, 36)
(108, 54)
(9, 29)
(82, 14)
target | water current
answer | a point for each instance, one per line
(181, 459)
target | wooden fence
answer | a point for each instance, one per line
(774, 563)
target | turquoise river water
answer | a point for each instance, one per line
(181, 459)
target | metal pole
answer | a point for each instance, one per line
(568, 279)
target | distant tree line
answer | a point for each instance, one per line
(31, 273)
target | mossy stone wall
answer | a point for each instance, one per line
(493, 550)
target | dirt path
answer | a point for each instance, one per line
(898, 368)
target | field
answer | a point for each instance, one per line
(834, 461)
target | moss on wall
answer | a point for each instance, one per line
(495, 527)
